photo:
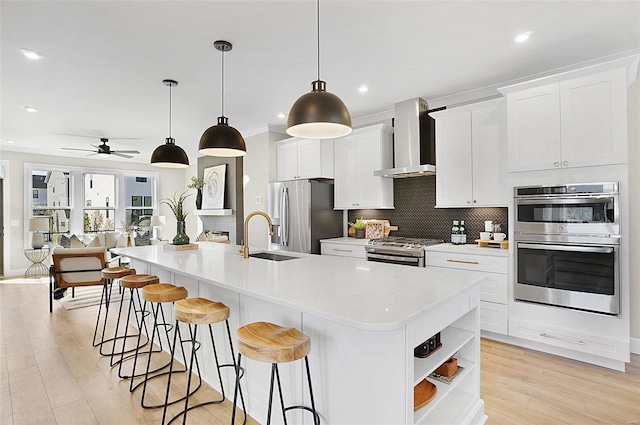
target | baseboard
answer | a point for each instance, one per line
(635, 345)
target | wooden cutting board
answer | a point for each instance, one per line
(423, 393)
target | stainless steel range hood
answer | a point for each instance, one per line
(414, 141)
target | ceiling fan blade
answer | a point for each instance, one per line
(92, 154)
(98, 137)
(95, 146)
(77, 135)
(121, 155)
(76, 149)
(126, 151)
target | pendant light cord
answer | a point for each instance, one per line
(318, 27)
(222, 73)
(169, 110)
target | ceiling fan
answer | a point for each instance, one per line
(105, 150)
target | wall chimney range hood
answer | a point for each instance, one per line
(413, 141)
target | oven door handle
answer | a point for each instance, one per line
(598, 250)
(397, 258)
(565, 200)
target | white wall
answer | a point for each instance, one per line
(634, 208)
(15, 263)
(259, 169)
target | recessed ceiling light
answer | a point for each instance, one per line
(30, 109)
(522, 37)
(363, 89)
(11, 141)
(281, 115)
(32, 54)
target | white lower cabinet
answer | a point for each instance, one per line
(342, 249)
(494, 310)
(571, 339)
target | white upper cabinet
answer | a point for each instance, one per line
(534, 128)
(357, 156)
(304, 159)
(471, 155)
(570, 122)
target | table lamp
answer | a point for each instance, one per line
(157, 221)
(37, 225)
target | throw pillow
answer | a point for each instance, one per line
(64, 241)
(76, 243)
(143, 239)
(111, 239)
(95, 243)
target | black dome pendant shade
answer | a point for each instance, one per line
(319, 114)
(222, 139)
(170, 155)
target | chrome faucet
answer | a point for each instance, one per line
(245, 246)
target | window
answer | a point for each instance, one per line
(138, 201)
(99, 202)
(50, 196)
(82, 200)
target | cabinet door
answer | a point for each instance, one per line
(368, 158)
(327, 159)
(489, 152)
(533, 126)
(309, 159)
(287, 160)
(594, 123)
(453, 159)
(344, 185)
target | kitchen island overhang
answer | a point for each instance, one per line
(364, 319)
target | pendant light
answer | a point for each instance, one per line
(222, 139)
(170, 155)
(319, 114)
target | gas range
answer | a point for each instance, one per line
(398, 250)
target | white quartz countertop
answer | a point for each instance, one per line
(364, 295)
(469, 249)
(346, 241)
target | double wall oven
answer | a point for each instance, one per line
(567, 246)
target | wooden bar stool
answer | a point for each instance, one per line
(157, 294)
(132, 282)
(270, 343)
(194, 312)
(109, 275)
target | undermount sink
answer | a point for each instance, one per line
(272, 256)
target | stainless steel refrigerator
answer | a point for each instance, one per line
(302, 214)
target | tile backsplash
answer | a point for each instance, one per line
(416, 217)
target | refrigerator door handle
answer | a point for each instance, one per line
(284, 217)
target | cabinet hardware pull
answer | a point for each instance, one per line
(462, 261)
(468, 202)
(556, 164)
(474, 201)
(341, 250)
(562, 338)
(565, 163)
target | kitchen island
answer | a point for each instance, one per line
(364, 320)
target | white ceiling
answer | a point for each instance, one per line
(105, 60)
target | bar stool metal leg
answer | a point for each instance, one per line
(194, 311)
(267, 342)
(142, 327)
(177, 338)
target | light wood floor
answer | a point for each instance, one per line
(50, 374)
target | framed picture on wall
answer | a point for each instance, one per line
(136, 201)
(147, 201)
(213, 189)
